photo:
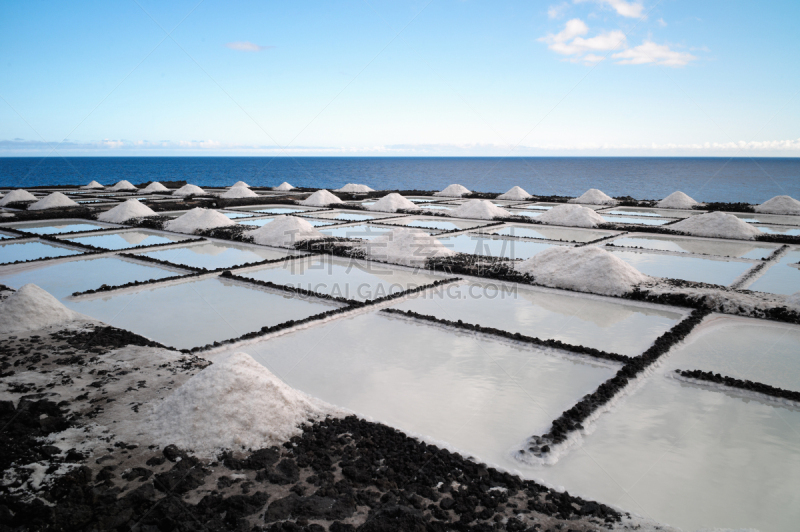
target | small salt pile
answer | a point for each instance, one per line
(235, 403)
(516, 193)
(198, 219)
(31, 308)
(585, 269)
(283, 187)
(189, 190)
(126, 211)
(793, 301)
(716, 225)
(123, 185)
(453, 191)
(779, 205)
(594, 197)
(53, 201)
(93, 185)
(17, 195)
(353, 188)
(479, 209)
(238, 192)
(677, 200)
(410, 246)
(284, 231)
(572, 216)
(154, 187)
(240, 184)
(320, 198)
(392, 203)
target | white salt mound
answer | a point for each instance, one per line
(392, 203)
(677, 200)
(126, 211)
(31, 308)
(189, 190)
(516, 193)
(17, 195)
(716, 225)
(320, 198)
(793, 301)
(283, 186)
(779, 205)
(585, 269)
(284, 231)
(238, 192)
(123, 185)
(53, 201)
(453, 191)
(594, 197)
(235, 403)
(93, 184)
(155, 186)
(411, 247)
(352, 187)
(198, 219)
(572, 216)
(479, 209)
(240, 184)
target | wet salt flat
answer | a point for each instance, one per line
(264, 221)
(4, 236)
(779, 230)
(195, 313)
(279, 210)
(641, 211)
(526, 213)
(21, 251)
(352, 279)
(780, 278)
(476, 394)
(701, 270)
(126, 239)
(778, 219)
(362, 231)
(53, 228)
(741, 249)
(494, 247)
(442, 225)
(64, 278)
(602, 323)
(550, 233)
(235, 215)
(213, 255)
(349, 216)
(641, 220)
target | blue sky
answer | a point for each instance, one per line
(370, 77)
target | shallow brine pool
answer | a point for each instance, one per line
(779, 230)
(782, 277)
(14, 251)
(362, 231)
(441, 225)
(659, 213)
(350, 216)
(280, 210)
(741, 249)
(779, 219)
(126, 239)
(551, 233)
(212, 255)
(235, 215)
(640, 220)
(264, 221)
(701, 270)
(509, 248)
(53, 228)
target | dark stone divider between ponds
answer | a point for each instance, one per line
(752, 272)
(724, 207)
(731, 382)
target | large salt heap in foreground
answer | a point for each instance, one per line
(126, 211)
(515, 193)
(320, 198)
(585, 269)
(779, 205)
(479, 209)
(17, 195)
(198, 219)
(235, 403)
(572, 216)
(31, 308)
(716, 225)
(453, 191)
(411, 247)
(52, 201)
(677, 200)
(594, 197)
(392, 203)
(284, 231)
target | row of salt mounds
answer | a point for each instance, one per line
(198, 219)
(453, 191)
(572, 216)
(392, 203)
(284, 231)
(677, 200)
(352, 187)
(17, 195)
(126, 211)
(594, 197)
(283, 186)
(235, 403)
(53, 201)
(238, 192)
(92, 185)
(31, 308)
(516, 193)
(240, 184)
(585, 269)
(411, 247)
(189, 190)
(123, 185)
(716, 225)
(320, 198)
(155, 186)
(779, 205)
(479, 209)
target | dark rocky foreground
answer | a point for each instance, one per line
(339, 475)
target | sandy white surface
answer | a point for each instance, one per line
(320, 198)
(453, 191)
(479, 209)
(284, 231)
(571, 215)
(198, 219)
(392, 203)
(52, 201)
(594, 197)
(125, 211)
(717, 225)
(677, 200)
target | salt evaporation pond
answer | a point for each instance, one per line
(366, 232)
(21, 251)
(195, 313)
(525, 213)
(494, 247)
(551, 233)
(352, 279)
(778, 230)
(64, 278)
(213, 255)
(4, 236)
(236, 215)
(782, 277)
(650, 212)
(264, 221)
(776, 219)
(639, 220)
(349, 216)
(741, 249)
(701, 270)
(126, 239)
(441, 225)
(608, 324)
(282, 210)
(475, 393)
(54, 228)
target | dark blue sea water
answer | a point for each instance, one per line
(751, 180)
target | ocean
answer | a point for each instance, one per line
(752, 180)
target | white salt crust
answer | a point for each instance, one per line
(126, 211)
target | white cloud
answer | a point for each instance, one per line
(557, 11)
(569, 41)
(245, 46)
(662, 22)
(650, 52)
(623, 8)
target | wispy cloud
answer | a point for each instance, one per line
(557, 11)
(662, 22)
(246, 46)
(650, 52)
(623, 8)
